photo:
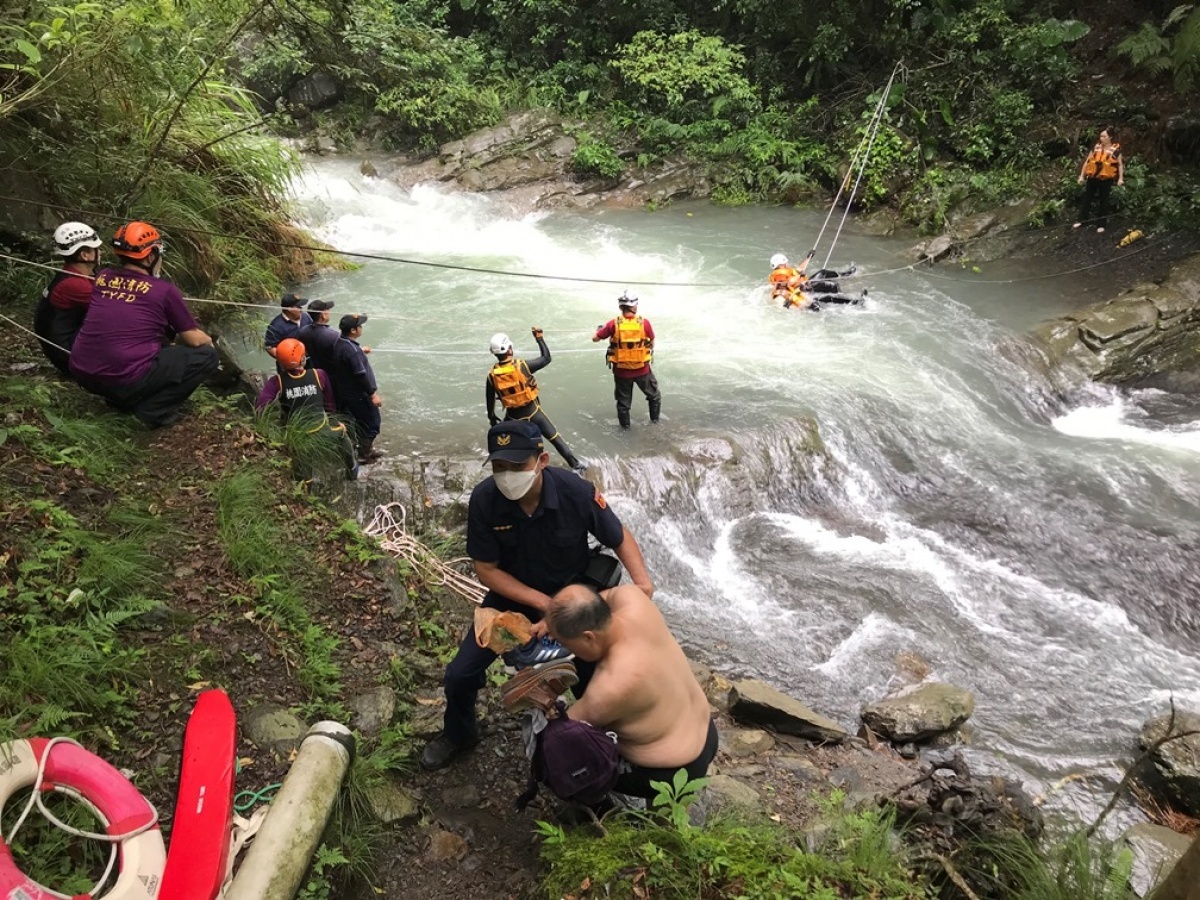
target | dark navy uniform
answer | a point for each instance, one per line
(545, 551)
(282, 327)
(319, 343)
(353, 385)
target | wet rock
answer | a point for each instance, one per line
(726, 792)
(938, 248)
(272, 727)
(760, 704)
(1147, 337)
(390, 802)
(315, 91)
(801, 768)
(919, 712)
(1173, 775)
(1155, 851)
(373, 711)
(745, 741)
(368, 170)
(445, 846)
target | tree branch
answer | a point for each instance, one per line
(1137, 763)
(153, 155)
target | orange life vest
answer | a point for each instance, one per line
(1103, 164)
(629, 348)
(784, 276)
(514, 383)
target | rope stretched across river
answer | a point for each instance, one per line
(388, 527)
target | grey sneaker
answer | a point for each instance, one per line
(536, 652)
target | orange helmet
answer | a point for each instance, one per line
(290, 353)
(136, 240)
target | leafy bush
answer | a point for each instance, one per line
(685, 77)
(595, 157)
(660, 854)
(1170, 48)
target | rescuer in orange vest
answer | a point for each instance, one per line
(630, 350)
(511, 381)
(1103, 166)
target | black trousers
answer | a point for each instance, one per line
(467, 673)
(1096, 192)
(623, 392)
(532, 412)
(366, 415)
(156, 397)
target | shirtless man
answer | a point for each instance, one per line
(643, 689)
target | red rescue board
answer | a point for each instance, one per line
(200, 836)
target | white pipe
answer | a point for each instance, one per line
(281, 852)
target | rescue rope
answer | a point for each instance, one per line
(35, 799)
(35, 334)
(872, 128)
(267, 306)
(388, 527)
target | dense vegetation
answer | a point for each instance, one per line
(160, 110)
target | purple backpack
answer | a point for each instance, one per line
(575, 760)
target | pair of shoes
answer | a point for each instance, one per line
(536, 652)
(1100, 230)
(1077, 224)
(442, 751)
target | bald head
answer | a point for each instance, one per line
(578, 608)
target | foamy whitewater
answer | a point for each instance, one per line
(1043, 557)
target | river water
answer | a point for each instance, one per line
(1041, 553)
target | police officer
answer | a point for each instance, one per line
(287, 324)
(512, 380)
(318, 338)
(527, 534)
(354, 386)
(630, 349)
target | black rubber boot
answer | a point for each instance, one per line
(367, 452)
(655, 408)
(623, 418)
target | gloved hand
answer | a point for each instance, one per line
(537, 332)
(811, 253)
(493, 420)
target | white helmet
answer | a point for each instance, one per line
(626, 301)
(778, 260)
(70, 236)
(501, 345)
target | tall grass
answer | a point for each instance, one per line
(266, 552)
(1014, 868)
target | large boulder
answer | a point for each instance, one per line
(1174, 773)
(919, 712)
(1147, 337)
(528, 159)
(760, 704)
(316, 90)
(1155, 851)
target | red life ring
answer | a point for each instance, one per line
(127, 816)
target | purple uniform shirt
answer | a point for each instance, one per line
(131, 316)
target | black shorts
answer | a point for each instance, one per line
(636, 781)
